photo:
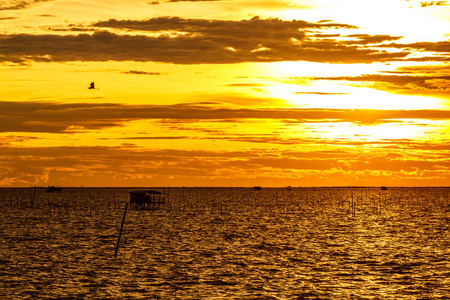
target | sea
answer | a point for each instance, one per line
(226, 243)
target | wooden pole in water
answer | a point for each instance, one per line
(120, 232)
(353, 206)
(34, 196)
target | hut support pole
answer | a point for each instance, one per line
(34, 196)
(120, 232)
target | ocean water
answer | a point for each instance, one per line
(227, 243)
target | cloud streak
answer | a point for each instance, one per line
(434, 3)
(69, 118)
(134, 72)
(18, 5)
(198, 41)
(123, 166)
(410, 82)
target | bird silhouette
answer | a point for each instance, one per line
(92, 86)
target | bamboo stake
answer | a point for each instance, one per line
(120, 232)
(34, 195)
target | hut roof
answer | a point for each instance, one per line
(146, 192)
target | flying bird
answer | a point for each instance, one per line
(92, 86)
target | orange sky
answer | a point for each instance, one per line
(225, 93)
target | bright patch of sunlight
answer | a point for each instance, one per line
(337, 96)
(402, 18)
(289, 69)
(387, 131)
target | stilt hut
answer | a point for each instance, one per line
(147, 200)
(53, 189)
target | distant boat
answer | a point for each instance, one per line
(53, 189)
(257, 188)
(383, 188)
(92, 86)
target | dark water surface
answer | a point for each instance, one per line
(227, 243)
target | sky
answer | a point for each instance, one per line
(224, 93)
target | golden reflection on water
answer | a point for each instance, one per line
(306, 243)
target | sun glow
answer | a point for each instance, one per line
(403, 18)
(376, 132)
(311, 85)
(298, 69)
(338, 96)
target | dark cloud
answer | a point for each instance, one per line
(442, 47)
(323, 35)
(71, 29)
(19, 4)
(400, 81)
(48, 16)
(202, 41)
(133, 72)
(374, 39)
(440, 58)
(255, 27)
(68, 118)
(424, 69)
(434, 3)
(440, 51)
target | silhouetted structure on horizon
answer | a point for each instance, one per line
(147, 200)
(53, 189)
